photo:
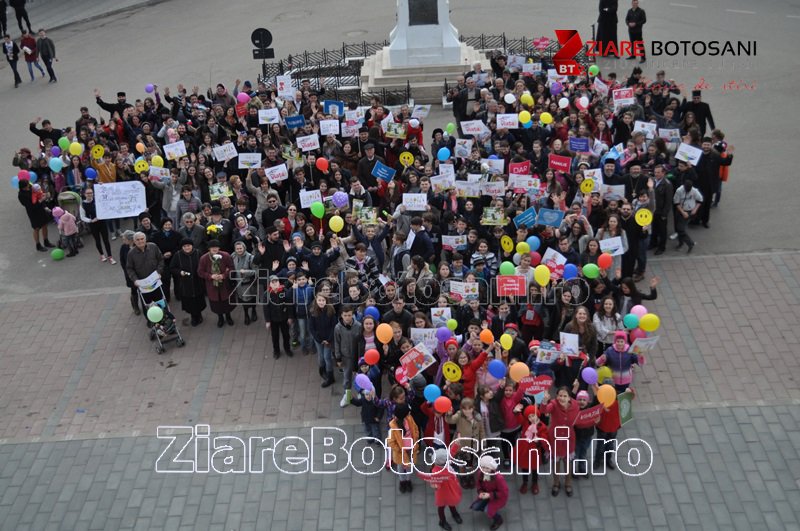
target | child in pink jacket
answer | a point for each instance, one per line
(68, 229)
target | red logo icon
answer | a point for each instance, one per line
(564, 59)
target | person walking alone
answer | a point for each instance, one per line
(11, 50)
(47, 50)
(635, 19)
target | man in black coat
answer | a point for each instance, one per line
(118, 107)
(607, 24)
(708, 176)
(422, 244)
(365, 167)
(635, 19)
(46, 131)
(663, 192)
(11, 51)
(701, 110)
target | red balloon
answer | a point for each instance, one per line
(24, 175)
(442, 404)
(322, 164)
(637, 333)
(604, 261)
(536, 258)
(372, 356)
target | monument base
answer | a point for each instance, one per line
(426, 80)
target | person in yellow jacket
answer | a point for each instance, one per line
(403, 435)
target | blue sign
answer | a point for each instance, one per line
(527, 218)
(294, 122)
(550, 217)
(384, 172)
(333, 107)
(579, 145)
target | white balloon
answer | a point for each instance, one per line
(584, 101)
(517, 257)
(413, 123)
(563, 103)
(509, 98)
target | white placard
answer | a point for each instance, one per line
(119, 200)
(688, 153)
(455, 242)
(646, 127)
(442, 183)
(493, 189)
(159, 174)
(249, 160)
(596, 175)
(150, 283)
(496, 166)
(329, 127)
(473, 127)
(308, 143)
(507, 121)
(569, 343)
(277, 174)
(612, 246)
(175, 151)
(523, 182)
(350, 131)
(447, 170)
(440, 316)
(421, 111)
(225, 152)
(600, 87)
(269, 116)
(670, 135)
(415, 202)
(623, 97)
(285, 88)
(463, 147)
(309, 196)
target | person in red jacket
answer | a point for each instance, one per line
(530, 448)
(469, 369)
(607, 431)
(492, 491)
(436, 427)
(444, 481)
(563, 411)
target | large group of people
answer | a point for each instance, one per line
(331, 270)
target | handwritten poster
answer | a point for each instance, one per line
(508, 121)
(249, 160)
(417, 360)
(175, 150)
(307, 197)
(308, 143)
(285, 88)
(269, 116)
(329, 127)
(463, 147)
(225, 152)
(119, 200)
(277, 174)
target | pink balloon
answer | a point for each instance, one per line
(639, 310)
(638, 333)
(242, 97)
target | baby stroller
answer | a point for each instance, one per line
(71, 202)
(166, 330)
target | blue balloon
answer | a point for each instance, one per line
(432, 392)
(497, 369)
(443, 154)
(570, 271)
(534, 243)
(493, 157)
(33, 177)
(91, 174)
(56, 164)
(15, 182)
(373, 312)
(528, 125)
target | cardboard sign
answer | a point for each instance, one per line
(269, 116)
(646, 127)
(416, 360)
(612, 246)
(613, 192)
(579, 145)
(454, 243)
(595, 175)
(225, 152)
(424, 336)
(442, 183)
(124, 199)
(465, 190)
(642, 345)
(447, 169)
(493, 216)
(688, 153)
(217, 190)
(349, 131)
(493, 189)
(354, 117)
(625, 407)
(158, 174)
(249, 160)
(600, 87)
(569, 344)
(241, 109)
(434, 479)
(415, 202)
(463, 147)
(533, 385)
(285, 88)
(473, 127)
(519, 168)
(308, 143)
(559, 162)
(527, 218)
(307, 197)
(421, 112)
(548, 353)
(549, 217)
(623, 97)
(669, 135)
(333, 107)
(295, 122)
(277, 174)
(496, 166)
(329, 127)
(589, 415)
(464, 290)
(508, 121)
(555, 262)
(521, 184)
(175, 150)
(511, 285)
(384, 172)
(440, 316)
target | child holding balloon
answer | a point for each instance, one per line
(620, 361)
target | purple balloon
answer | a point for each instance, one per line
(55, 151)
(589, 375)
(363, 382)
(443, 334)
(556, 88)
(340, 200)
(149, 88)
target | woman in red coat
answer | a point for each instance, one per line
(530, 452)
(492, 491)
(469, 370)
(215, 268)
(445, 483)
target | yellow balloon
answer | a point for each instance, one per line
(541, 275)
(603, 373)
(75, 149)
(644, 217)
(649, 322)
(587, 186)
(526, 99)
(157, 161)
(607, 395)
(518, 371)
(336, 223)
(523, 248)
(406, 159)
(506, 341)
(546, 118)
(451, 371)
(98, 151)
(524, 117)
(141, 166)
(507, 243)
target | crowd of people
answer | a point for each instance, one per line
(328, 237)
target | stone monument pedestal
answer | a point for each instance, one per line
(424, 51)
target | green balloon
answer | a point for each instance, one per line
(317, 209)
(63, 143)
(451, 128)
(594, 70)
(155, 314)
(507, 268)
(591, 271)
(57, 254)
(452, 324)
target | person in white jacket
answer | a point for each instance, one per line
(607, 321)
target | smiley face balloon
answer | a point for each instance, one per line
(451, 371)
(587, 186)
(644, 217)
(141, 166)
(406, 159)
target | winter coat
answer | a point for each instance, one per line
(247, 286)
(469, 374)
(345, 340)
(395, 441)
(223, 291)
(278, 305)
(497, 487)
(560, 417)
(190, 285)
(321, 326)
(529, 453)
(468, 429)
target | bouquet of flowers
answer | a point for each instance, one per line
(216, 262)
(213, 231)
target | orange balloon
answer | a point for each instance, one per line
(384, 333)
(604, 261)
(487, 336)
(607, 395)
(518, 371)
(140, 147)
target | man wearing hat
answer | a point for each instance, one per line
(112, 108)
(168, 241)
(188, 284)
(215, 269)
(226, 228)
(701, 110)
(365, 167)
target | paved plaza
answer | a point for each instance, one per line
(82, 390)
